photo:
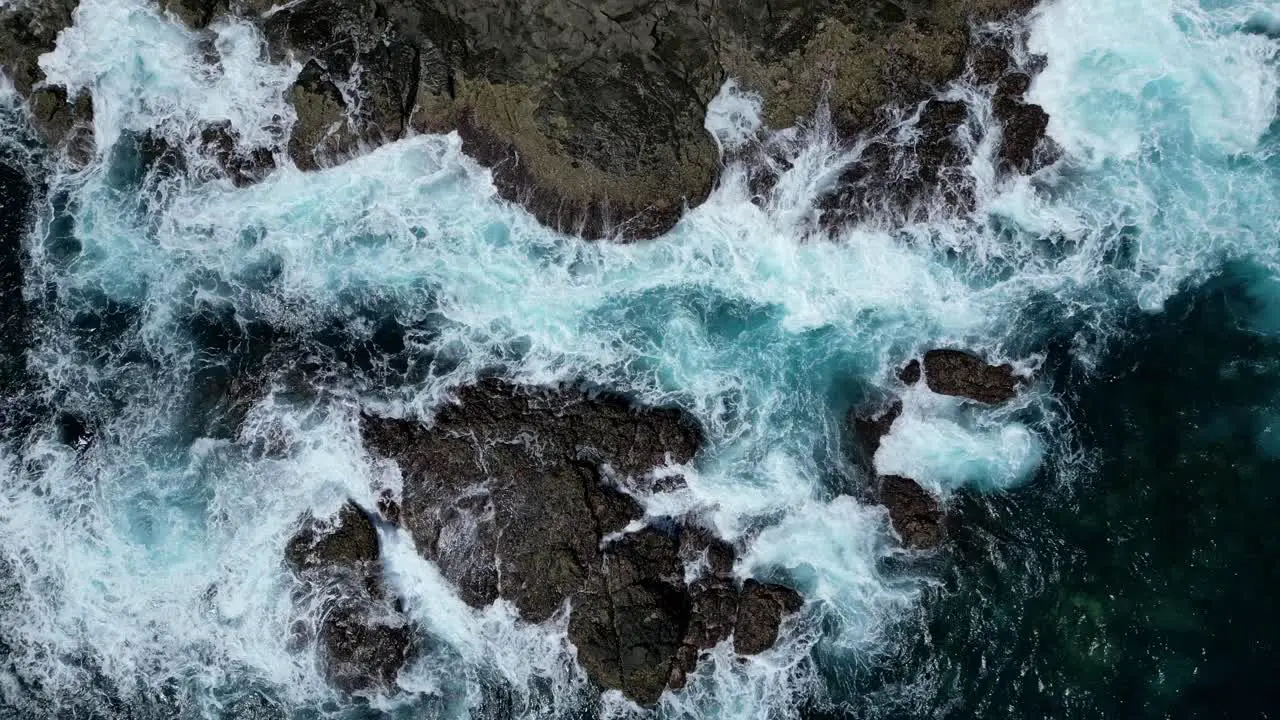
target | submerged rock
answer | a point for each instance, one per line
(519, 493)
(16, 198)
(363, 638)
(962, 374)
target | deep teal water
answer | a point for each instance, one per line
(1146, 587)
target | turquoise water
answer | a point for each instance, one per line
(1143, 590)
(145, 566)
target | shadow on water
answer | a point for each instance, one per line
(1141, 587)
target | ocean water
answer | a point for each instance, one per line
(1110, 554)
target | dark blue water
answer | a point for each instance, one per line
(1144, 588)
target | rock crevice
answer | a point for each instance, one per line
(540, 524)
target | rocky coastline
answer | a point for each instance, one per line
(592, 119)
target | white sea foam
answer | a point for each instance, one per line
(159, 558)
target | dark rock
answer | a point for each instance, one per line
(505, 491)
(349, 544)
(363, 638)
(517, 493)
(714, 593)
(870, 428)
(1024, 127)
(595, 113)
(938, 123)
(894, 179)
(915, 515)
(196, 14)
(363, 647)
(910, 373)
(989, 62)
(1014, 85)
(629, 623)
(594, 217)
(760, 612)
(962, 374)
(27, 31)
(242, 166)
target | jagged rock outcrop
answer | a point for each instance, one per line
(896, 178)
(363, 638)
(592, 115)
(905, 176)
(963, 374)
(27, 31)
(519, 493)
(869, 427)
(1023, 146)
(915, 514)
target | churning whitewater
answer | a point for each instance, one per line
(144, 557)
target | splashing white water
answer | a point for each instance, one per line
(158, 558)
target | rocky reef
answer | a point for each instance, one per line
(363, 637)
(591, 115)
(27, 31)
(523, 494)
(962, 374)
(916, 515)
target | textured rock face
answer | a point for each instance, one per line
(592, 114)
(507, 490)
(962, 374)
(27, 31)
(899, 179)
(1022, 147)
(760, 611)
(1024, 127)
(363, 638)
(915, 514)
(515, 493)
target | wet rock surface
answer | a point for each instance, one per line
(900, 177)
(595, 112)
(963, 374)
(1024, 126)
(1023, 146)
(518, 493)
(869, 428)
(761, 609)
(907, 175)
(916, 515)
(27, 31)
(363, 638)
